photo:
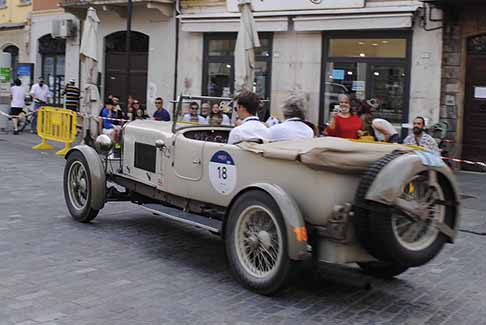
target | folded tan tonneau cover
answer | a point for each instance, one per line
(328, 153)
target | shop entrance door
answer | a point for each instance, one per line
(474, 135)
(117, 82)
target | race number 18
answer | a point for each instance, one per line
(222, 172)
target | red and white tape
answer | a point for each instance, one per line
(103, 118)
(467, 162)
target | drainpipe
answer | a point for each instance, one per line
(127, 46)
(176, 64)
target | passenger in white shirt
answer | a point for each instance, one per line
(385, 131)
(17, 94)
(193, 115)
(293, 128)
(251, 128)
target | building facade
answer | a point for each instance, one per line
(368, 48)
(151, 54)
(14, 30)
(54, 43)
(371, 49)
(463, 91)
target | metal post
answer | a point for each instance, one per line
(127, 47)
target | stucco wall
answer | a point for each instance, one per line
(18, 38)
(297, 65)
(426, 74)
(14, 12)
(190, 67)
(44, 4)
(42, 25)
(161, 31)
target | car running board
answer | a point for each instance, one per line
(196, 220)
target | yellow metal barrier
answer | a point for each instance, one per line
(56, 124)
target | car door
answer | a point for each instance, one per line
(187, 158)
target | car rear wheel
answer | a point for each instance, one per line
(392, 236)
(256, 243)
(77, 188)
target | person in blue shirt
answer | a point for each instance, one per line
(161, 114)
(108, 114)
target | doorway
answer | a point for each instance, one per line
(117, 82)
(473, 144)
(52, 51)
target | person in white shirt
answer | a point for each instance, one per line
(293, 128)
(384, 131)
(17, 95)
(193, 115)
(39, 93)
(247, 106)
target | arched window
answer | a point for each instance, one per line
(14, 55)
(53, 52)
(116, 80)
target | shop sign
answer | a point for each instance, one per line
(285, 5)
(5, 74)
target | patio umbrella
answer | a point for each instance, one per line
(89, 73)
(246, 43)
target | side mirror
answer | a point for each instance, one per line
(160, 144)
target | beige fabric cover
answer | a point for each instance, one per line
(329, 153)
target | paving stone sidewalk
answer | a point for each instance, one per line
(130, 267)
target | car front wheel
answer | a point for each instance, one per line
(77, 188)
(256, 243)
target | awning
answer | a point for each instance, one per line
(376, 15)
(267, 24)
(353, 22)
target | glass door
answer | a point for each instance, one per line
(375, 66)
(388, 86)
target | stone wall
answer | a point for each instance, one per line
(459, 25)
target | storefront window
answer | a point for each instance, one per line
(219, 65)
(369, 48)
(364, 69)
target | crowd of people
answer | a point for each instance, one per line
(350, 119)
(346, 122)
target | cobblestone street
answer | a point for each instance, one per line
(131, 267)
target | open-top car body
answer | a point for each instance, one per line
(385, 207)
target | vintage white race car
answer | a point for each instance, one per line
(385, 207)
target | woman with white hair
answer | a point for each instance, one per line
(293, 127)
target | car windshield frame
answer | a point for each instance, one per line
(184, 99)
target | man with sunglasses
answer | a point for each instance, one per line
(247, 106)
(161, 114)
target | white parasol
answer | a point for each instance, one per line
(89, 71)
(246, 43)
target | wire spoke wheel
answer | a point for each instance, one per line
(78, 185)
(416, 235)
(258, 241)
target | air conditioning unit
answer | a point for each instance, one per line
(63, 28)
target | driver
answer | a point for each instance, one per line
(247, 105)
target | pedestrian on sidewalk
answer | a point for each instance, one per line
(17, 96)
(72, 94)
(39, 93)
(420, 138)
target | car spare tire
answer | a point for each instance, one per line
(393, 238)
